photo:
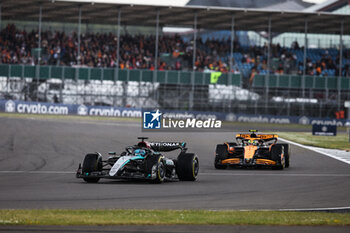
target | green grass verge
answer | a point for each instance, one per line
(169, 217)
(341, 141)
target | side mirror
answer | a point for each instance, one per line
(112, 153)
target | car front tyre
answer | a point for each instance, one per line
(92, 163)
(187, 167)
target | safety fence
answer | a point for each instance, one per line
(297, 82)
(113, 74)
(171, 77)
(289, 95)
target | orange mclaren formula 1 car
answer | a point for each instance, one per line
(253, 150)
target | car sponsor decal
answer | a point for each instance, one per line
(119, 164)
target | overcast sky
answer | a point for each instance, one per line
(159, 2)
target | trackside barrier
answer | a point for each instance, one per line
(297, 82)
(170, 77)
(14, 106)
(109, 74)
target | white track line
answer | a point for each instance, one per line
(204, 174)
(317, 209)
(346, 208)
(345, 159)
(37, 172)
(274, 174)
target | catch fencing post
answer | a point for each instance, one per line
(232, 42)
(62, 84)
(79, 32)
(39, 34)
(78, 57)
(116, 74)
(191, 104)
(304, 66)
(231, 54)
(116, 69)
(156, 56)
(37, 68)
(267, 77)
(340, 62)
(0, 15)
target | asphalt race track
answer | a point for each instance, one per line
(39, 157)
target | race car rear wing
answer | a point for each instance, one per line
(167, 146)
(264, 137)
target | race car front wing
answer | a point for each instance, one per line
(248, 162)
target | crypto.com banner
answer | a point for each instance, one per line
(14, 106)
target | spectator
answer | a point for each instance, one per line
(138, 52)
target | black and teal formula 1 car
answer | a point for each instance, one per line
(143, 161)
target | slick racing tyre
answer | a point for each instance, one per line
(92, 163)
(287, 153)
(155, 166)
(276, 155)
(187, 167)
(160, 174)
(220, 154)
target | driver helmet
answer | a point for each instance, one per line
(252, 142)
(140, 152)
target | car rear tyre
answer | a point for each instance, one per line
(187, 167)
(276, 155)
(287, 153)
(92, 163)
(220, 154)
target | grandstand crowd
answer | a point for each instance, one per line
(137, 52)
